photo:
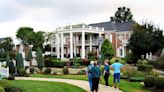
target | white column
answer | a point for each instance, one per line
(90, 45)
(71, 45)
(110, 38)
(99, 49)
(83, 45)
(74, 48)
(62, 46)
(57, 46)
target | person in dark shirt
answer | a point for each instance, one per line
(106, 72)
(95, 72)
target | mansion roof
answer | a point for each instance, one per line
(118, 26)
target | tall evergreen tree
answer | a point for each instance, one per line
(7, 61)
(107, 50)
(19, 61)
(123, 14)
(39, 58)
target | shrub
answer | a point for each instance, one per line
(151, 62)
(145, 68)
(22, 72)
(47, 71)
(59, 64)
(92, 56)
(81, 72)
(159, 82)
(119, 60)
(130, 73)
(149, 81)
(136, 79)
(11, 78)
(131, 58)
(65, 70)
(2, 89)
(32, 70)
(142, 61)
(160, 63)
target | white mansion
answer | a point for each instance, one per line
(78, 40)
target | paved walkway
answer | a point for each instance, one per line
(79, 83)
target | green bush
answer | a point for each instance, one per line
(59, 64)
(81, 72)
(2, 89)
(65, 70)
(136, 79)
(22, 72)
(130, 73)
(142, 61)
(32, 70)
(145, 68)
(160, 63)
(47, 71)
(149, 81)
(119, 60)
(159, 82)
(151, 62)
(131, 58)
(92, 56)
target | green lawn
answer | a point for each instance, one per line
(125, 85)
(43, 86)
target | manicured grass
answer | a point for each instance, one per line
(125, 85)
(43, 86)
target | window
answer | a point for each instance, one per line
(121, 52)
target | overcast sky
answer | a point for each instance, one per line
(46, 15)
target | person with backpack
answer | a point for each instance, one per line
(95, 72)
(88, 73)
(106, 72)
(117, 67)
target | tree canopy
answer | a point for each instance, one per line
(29, 37)
(107, 50)
(122, 14)
(145, 38)
(7, 44)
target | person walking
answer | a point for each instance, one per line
(95, 72)
(88, 73)
(106, 72)
(117, 67)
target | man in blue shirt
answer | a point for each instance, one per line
(88, 73)
(117, 67)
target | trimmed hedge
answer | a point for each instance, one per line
(159, 82)
(145, 68)
(136, 79)
(47, 71)
(149, 81)
(119, 60)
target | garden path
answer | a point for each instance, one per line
(79, 83)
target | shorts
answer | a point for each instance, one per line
(116, 77)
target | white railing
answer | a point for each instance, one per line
(4, 72)
(80, 27)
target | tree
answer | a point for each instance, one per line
(39, 40)
(29, 37)
(123, 14)
(26, 34)
(29, 56)
(19, 61)
(7, 44)
(7, 61)
(107, 50)
(145, 38)
(39, 58)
